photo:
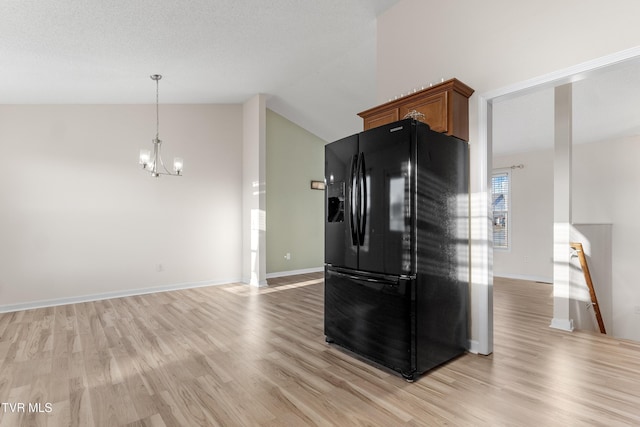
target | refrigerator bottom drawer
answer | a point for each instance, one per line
(371, 317)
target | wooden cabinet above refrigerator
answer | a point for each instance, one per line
(445, 107)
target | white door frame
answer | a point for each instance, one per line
(483, 263)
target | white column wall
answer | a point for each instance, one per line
(562, 208)
(254, 206)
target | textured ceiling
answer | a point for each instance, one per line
(315, 60)
(606, 106)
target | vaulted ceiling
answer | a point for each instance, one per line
(315, 60)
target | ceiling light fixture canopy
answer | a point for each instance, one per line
(150, 160)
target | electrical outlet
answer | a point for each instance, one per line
(287, 256)
(159, 268)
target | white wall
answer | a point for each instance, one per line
(80, 218)
(531, 252)
(495, 43)
(606, 180)
(490, 45)
(605, 185)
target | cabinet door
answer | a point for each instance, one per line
(381, 118)
(434, 109)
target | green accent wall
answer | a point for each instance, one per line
(294, 217)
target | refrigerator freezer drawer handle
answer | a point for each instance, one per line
(384, 282)
(390, 281)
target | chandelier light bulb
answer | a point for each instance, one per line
(178, 164)
(145, 157)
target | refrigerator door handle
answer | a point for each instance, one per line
(362, 170)
(353, 224)
(389, 281)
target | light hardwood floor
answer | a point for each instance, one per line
(232, 355)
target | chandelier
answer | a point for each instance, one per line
(151, 161)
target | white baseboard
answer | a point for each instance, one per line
(531, 278)
(294, 272)
(562, 324)
(472, 346)
(131, 292)
(109, 295)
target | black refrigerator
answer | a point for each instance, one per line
(396, 246)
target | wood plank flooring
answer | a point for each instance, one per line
(237, 356)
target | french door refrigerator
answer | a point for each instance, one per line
(396, 246)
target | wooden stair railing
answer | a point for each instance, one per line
(587, 277)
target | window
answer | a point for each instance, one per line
(500, 204)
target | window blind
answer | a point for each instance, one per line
(500, 196)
